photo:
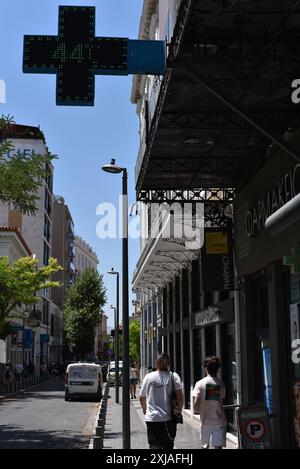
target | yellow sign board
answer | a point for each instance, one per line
(216, 243)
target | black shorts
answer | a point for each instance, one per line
(161, 435)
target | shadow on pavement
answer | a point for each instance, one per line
(16, 438)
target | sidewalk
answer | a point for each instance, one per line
(187, 434)
(29, 383)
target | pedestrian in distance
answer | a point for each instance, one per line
(61, 369)
(155, 398)
(8, 374)
(18, 372)
(208, 395)
(31, 368)
(133, 380)
(43, 369)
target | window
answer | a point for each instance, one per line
(45, 318)
(46, 253)
(47, 228)
(52, 326)
(48, 202)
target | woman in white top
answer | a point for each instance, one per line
(133, 380)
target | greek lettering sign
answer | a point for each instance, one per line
(76, 55)
(284, 191)
(217, 261)
(254, 427)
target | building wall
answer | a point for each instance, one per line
(63, 250)
(13, 248)
(179, 318)
(85, 257)
(33, 230)
(269, 296)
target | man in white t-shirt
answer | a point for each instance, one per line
(208, 395)
(155, 399)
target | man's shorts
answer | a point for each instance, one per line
(216, 434)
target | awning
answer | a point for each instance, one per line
(284, 217)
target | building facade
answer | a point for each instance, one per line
(85, 257)
(63, 249)
(220, 129)
(268, 267)
(13, 246)
(186, 310)
(36, 231)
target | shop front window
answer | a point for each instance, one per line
(210, 340)
(295, 350)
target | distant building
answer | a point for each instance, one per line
(63, 249)
(85, 257)
(101, 336)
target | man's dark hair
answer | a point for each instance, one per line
(212, 364)
(163, 362)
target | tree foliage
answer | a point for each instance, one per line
(134, 339)
(82, 311)
(21, 175)
(19, 282)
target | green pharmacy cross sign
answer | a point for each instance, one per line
(293, 260)
(76, 55)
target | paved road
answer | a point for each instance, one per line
(40, 418)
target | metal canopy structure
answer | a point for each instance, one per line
(161, 263)
(226, 96)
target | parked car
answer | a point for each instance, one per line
(83, 380)
(111, 375)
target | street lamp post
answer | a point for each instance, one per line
(113, 169)
(116, 354)
(112, 272)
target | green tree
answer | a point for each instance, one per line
(21, 175)
(134, 339)
(19, 282)
(82, 312)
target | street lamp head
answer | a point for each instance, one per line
(112, 168)
(112, 272)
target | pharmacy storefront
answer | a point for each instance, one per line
(268, 263)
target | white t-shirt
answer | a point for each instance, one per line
(133, 374)
(211, 392)
(157, 389)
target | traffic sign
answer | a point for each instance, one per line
(254, 427)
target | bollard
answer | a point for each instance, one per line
(97, 442)
(100, 422)
(100, 431)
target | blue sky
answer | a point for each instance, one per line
(84, 138)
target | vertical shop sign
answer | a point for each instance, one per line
(217, 260)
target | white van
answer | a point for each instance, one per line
(83, 380)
